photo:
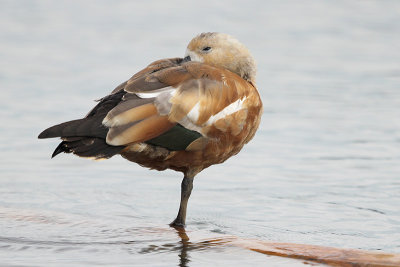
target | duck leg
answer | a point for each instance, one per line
(186, 190)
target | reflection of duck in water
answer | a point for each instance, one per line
(185, 243)
(308, 254)
(184, 114)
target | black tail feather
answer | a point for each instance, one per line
(91, 125)
(59, 149)
(83, 127)
(86, 137)
(87, 147)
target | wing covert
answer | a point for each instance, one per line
(169, 101)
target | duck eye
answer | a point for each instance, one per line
(206, 49)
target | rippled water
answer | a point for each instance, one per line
(323, 169)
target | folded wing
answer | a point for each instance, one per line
(177, 106)
(171, 104)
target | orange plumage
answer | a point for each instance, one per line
(183, 114)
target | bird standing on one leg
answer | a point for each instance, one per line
(184, 114)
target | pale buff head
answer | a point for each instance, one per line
(224, 51)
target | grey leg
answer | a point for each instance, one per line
(186, 189)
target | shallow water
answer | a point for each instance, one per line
(323, 169)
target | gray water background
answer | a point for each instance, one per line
(324, 167)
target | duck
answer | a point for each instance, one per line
(184, 114)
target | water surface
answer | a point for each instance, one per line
(323, 168)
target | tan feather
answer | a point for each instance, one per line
(130, 115)
(197, 145)
(140, 132)
(183, 101)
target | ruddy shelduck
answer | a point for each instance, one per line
(184, 114)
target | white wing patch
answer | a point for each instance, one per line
(189, 121)
(232, 108)
(188, 124)
(194, 113)
(155, 93)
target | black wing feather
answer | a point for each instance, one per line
(86, 137)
